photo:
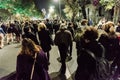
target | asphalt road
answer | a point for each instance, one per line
(9, 54)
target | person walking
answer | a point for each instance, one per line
(85, 60)
(2, 34)
(31, 54)
(45, 39)
(63, 39)
(29, 34)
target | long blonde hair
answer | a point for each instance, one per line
(41, 26)
(29, 47)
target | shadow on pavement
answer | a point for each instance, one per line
(68, 58)
(3, 71)
(58, 76)
(54, 76)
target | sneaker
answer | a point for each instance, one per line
(68, 58)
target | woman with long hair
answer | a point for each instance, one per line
(45, 39)
(25, 61)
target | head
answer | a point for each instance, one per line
(41, 26)
(109, 27)
(110, 23)
(29, 47)
(84, 22)
(90, 34)
(26, 23)
(55, 21)
(27, 29)
(62, 27)
(47, 20)
(70, 24)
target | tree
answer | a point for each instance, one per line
(109, 4)
(74, 6)
(27, 8)
(4, 14)
(70, 9)
(5, 9)
(23, 7)
(82, 4)
(116, 11)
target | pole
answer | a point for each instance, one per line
(88, 13)
(60, 8)
(79, 8)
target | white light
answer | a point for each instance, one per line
(34, 18)
(48, 15)
(56, 0)
(51, 9)
(44, 11)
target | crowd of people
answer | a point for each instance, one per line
(103, 40)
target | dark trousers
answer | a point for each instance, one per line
(63, 54)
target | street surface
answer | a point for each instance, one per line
(9, 54)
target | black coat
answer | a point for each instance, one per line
(93, 46)
(86, 63)
(31, 36)
(45, 40)
(111, 45)
(86, 66)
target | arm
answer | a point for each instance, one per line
(56, 40)
(2, 31)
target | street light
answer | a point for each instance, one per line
(51, 11)
(59, 2)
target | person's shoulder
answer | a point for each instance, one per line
(40, 50)
(20, 56)
(86, 54)
(104, 35)
(58, 32)
(41, 53)
(67, 31)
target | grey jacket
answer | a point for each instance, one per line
(63, 37)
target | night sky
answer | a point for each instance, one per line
(45, 4)
(42, 3)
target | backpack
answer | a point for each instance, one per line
(102, 71)
(86, 66)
